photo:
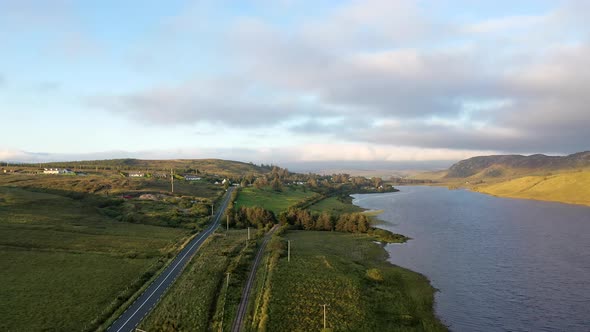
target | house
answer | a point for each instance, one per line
(160, 175)
(136, 174)
(58, 171)
(51, 171)
(192, 178)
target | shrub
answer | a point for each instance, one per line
(375, 275)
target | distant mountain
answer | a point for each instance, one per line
(500, 165)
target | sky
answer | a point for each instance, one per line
(280, 81)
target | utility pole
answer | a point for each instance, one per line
(227, 283)
(172, 178)
(227, 229)
(324, 305)
(212, 209)
(248, 233)
(288, 250)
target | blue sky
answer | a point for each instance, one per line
(292, 81)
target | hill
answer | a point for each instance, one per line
(572, 187)
(208, 166)
(563, 179)
(507, 165)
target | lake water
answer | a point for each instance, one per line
(499, 264)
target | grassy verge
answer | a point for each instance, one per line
(350, 274)
(201, 299)
(275, 201)
(257, 311)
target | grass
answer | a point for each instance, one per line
(335, 205)
(571, 187)
(64, 262)
(200, 299)
(113, 184)
(210, 166)
(275, 201)
(350, 274)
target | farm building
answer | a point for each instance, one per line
(57, 171)
(192, 178)
(136, 174)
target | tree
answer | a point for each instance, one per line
(305, 219)
(324, 222)
(313, 183)
(363, 224)
(260, 182)
(276, 184)
(377, 182)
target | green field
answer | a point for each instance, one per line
(335, 205)
(275, 201)
(222, 168)
(64, 263)
(571, 187)
(350, 274)
(200, 299)
(113, 184)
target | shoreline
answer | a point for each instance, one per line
(387, 256)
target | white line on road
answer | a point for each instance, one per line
(174, 268)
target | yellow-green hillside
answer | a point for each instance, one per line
(571, 187)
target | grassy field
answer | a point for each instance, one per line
(113, 184)
(272, 200)
(350, 274)
(335, 205)
(571, 187)
(210, 166)
(64, 263)
(200, 300)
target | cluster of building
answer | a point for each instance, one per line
(58, 171)
(188, 177)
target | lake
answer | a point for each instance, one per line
(499, 264)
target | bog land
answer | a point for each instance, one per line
(64, 264)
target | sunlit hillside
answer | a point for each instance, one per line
(572, 187)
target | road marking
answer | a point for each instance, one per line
(211, 228)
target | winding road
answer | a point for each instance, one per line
(129, 320)
(239, 320)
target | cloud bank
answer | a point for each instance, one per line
(393, 73)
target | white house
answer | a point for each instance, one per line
(57, 171)
(136, 174)
(192, 178)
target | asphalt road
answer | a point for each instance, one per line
(239, 320)
(129, 320)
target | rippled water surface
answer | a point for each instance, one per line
(499, 264)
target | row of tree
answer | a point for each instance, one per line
(347, 222)
(301, 219)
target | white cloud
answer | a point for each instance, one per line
(385, 69)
